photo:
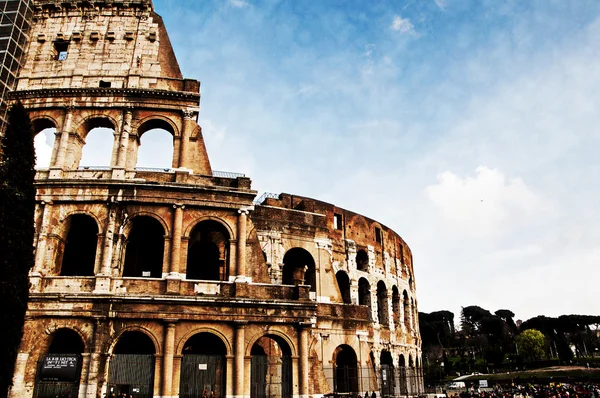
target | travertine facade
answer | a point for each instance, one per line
(168, 282)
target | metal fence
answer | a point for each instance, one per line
(386, 381)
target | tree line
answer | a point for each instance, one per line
(488, 342)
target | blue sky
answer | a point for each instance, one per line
(471, 128)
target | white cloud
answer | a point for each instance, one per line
(441, 4)
(43, 151)
(485, 204)
(239, 3)
(402, 25)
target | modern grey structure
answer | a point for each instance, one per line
(15, 19)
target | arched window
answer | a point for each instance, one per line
(66, 347)
(344, 284)
(132, 365)
(271, 368)
(79, 256)
(382, 303)
(299, 268)
(99, 135)
(406, 305)
(45, 132)
(362, 260)
(144, 248)
(208, 252)
(203, 351)
(395, 305)
(364, 292)
(346, 369)
(156, 145)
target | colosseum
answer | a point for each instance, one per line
(180, 282)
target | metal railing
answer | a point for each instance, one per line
(267, 195)
(155, 169)
(94, 168)
(227, 174)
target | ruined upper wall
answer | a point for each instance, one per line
(84, 44)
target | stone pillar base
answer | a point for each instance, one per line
(118, 173)
(35, 282)
(173, 284)
(102, 284)
(55, 172)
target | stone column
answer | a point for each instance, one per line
(64, 140)
(40, 250)
(189, 117)
(241, 245)
(103, 278)
(167, 376)
(239, 347)
(123, 144)
(174, 269)
(304, 366)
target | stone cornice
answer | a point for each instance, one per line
(104, 92)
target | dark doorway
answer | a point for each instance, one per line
(203, 367)
(131, 369)
(344, 284)
(59, 371)
(145, 249)
(208, 252)
(346, 370)
(271, 368)
(387, 373)
(403, 383)
(79, 255)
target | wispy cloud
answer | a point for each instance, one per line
(402, 25)
(441, 4)
(239, 3)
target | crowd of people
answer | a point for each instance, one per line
(552, 390)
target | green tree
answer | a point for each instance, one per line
(17, 203)
(530, 343)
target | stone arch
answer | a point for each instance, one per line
(210, 351)
(406, 307)
(346, 369)
(156, 122)
(132, 362)
(279, 335)
(198, 220)
(299, 268)
(181, 343)
(127, 227)
(90, 143)
(362, 260)
(65, 345)
(47, 343)
(144, 248)
(386, 364)
(155, 144)
(78, 255)
(395, 305)
(364, 292)
(96, 121)
(43, 122)
(382, 304)
(110, 345)
(343, 282)
(208, 251)
(271, 366)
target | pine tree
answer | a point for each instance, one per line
(17, 204)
